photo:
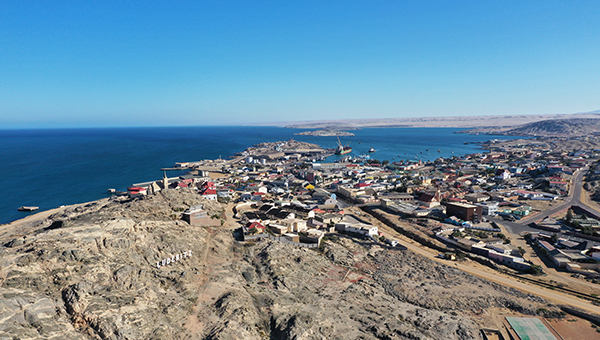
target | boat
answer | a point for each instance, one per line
(342, 149)
(372, 150)
(25, 208)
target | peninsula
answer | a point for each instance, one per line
(325, 133)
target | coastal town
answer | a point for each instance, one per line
(496, 207)
(504, 241)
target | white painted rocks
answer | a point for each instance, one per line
(174, 258)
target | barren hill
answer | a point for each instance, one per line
(90, 273)
(547, 128)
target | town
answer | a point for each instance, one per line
(517, 206)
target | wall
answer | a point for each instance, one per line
(280, 239)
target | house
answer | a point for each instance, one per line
(294, 224)
(504, 249)
(477, 197)
(329, 203)
(255, 225)
(502, 174)
(245, 196)
(136, 192)
(209, 194)
(292, 237)
(358, 228)
(489, 208)
(312, 236)
(278, 229)
(224, 193)
(197, 215)
(429, 200)
(502, 253)
(329, 218)
(258, 196)
(560, 185)
(207, 185)
(314, 223)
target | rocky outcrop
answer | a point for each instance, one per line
(90, 273)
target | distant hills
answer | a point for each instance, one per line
(548, 128)
(506, 122)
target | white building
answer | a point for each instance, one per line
(489, 208)
(359, 228)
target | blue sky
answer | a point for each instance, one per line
(153, 63)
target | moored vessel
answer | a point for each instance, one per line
(342, 149)
(28, 208)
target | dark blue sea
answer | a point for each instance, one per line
(53, 167)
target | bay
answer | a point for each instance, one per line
(53, 167)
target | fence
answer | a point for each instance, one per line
(480, 228)
(280, 239)
(254, 237)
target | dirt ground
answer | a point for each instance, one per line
(486, 272)
(573, 328)
(215, 175)
(540, 205)
(585, 198)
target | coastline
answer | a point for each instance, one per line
(117, 158)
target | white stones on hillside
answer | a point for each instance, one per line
(174, 258)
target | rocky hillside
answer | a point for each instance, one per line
(90, 273)
(547, 128)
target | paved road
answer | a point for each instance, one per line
(574, 199)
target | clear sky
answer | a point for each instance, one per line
(149, 63)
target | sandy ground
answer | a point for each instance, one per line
(585, 199)
(572, 328)
(213, 260)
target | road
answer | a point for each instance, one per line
(574, 198)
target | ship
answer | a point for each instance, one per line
(26, 208)
(372, 150)
(342, 149)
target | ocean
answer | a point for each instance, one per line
(53, 167)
